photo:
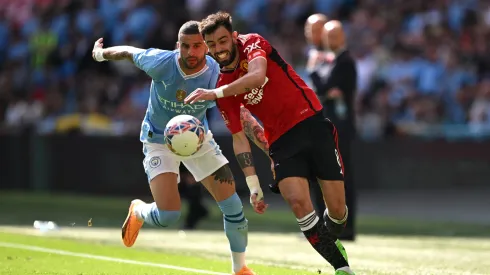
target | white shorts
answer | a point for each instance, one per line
(159, 159)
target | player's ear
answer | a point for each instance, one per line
(177, 45)
(234, 35)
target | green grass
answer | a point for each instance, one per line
(19, 262)
(22, 209)
(268, 254)
(384, 247)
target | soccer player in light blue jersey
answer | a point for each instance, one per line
(175, 74)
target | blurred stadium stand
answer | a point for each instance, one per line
(424, 66)
(424, 76)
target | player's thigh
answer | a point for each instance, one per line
(325, 158)
(290, 156)
(165, 191)
(291, 182)
(220, 184)
(213, 171)
(327, 164)
(163, 175)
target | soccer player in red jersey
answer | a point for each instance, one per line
(302, 142)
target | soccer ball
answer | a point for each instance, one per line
(184, 135)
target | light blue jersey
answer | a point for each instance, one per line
(169, 87)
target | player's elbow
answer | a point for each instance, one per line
(259, 79)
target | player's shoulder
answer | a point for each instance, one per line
(253, 41)
(159, 52)
(211, 63)
(250, 37)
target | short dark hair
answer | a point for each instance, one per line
(211, 23)
(189, 27)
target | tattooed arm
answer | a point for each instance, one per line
(113, 53)
(154, 62)
(120, 53)
(243, 153)
(253, 130)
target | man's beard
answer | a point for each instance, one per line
(197, 63)
(231, 58)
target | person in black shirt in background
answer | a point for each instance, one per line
(335, 80)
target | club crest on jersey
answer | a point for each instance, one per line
(180, 95)
(244, 65)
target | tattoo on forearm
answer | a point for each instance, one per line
(253, 130)
(245, 159)
(224, 175)
(117, 55)
(259, 136)
(247, 89)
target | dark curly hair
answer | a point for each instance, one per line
(211, 23)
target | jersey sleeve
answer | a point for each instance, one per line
(215, 71)
(256, 46)
(229, 108)
(154, 62)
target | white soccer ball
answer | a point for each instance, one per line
(184, 135)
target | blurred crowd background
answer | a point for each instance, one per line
(423, 66)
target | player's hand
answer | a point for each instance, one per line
(200, 95)
(257, 201)
(98, 45)
(256, 194)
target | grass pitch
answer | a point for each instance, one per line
(99, 251)
(400, 247)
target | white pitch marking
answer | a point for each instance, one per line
(105, 258)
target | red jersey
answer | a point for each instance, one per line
(280, 103)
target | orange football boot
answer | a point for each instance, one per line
(245, 271)
(132, 225)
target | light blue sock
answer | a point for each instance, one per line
(236, 225)
(161, 218)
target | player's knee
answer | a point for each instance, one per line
(334, 224)
(166, 218)
(336, 211)
(300, 206)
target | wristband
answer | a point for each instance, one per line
(99, 55)
(253, 183)
(220, 91)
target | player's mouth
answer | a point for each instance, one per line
(191, 60)
(223, 55)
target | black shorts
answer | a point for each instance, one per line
(308, 150)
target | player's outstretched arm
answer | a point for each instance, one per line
(256, 77)
(253, 130)
(243, 154)
(113, 53)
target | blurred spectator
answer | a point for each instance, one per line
(422, 65)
